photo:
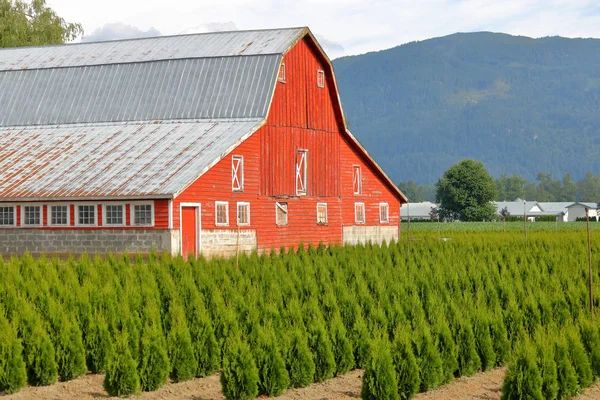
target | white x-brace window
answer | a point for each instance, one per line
(356, 179)
(301, 169)
(237, 173)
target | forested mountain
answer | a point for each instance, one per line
(520, 105)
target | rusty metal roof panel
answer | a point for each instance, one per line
(216, 44)
(205, 88)
(113, 160)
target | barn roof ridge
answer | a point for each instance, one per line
(156, 48)
(291, 28)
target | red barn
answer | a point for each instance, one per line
(197, 143)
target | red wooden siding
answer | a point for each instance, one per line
(302, 116)
(373, 189)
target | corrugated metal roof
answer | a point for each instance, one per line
(206, 88)
(113, 160)
(217, 44)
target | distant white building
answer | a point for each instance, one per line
(556, 208)
(516, 208)
(577, 210)
(417, 210)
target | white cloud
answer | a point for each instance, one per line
(119, 30)
(210, 27)
(357, 26)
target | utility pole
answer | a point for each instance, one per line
(587, 218)
(525, 217)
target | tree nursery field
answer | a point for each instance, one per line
(413, 314)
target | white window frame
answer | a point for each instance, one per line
(279, 206)
(237, 209)
(104, 220)
(14, 208)
(152, 212)
(234, 175)
(49, 211)
(364, 212)
(281, 73)
(320, 78)
(222, 203)
(40, 206)
(301, 190)
(357, 178)
(326, 216)
(387, 213)
(76, 206)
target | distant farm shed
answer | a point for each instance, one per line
(204, 143)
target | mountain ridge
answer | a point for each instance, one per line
(521, 105)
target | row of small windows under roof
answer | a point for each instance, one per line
(85, 215)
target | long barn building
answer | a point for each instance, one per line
(205, 143)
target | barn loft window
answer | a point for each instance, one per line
(59, 215)
(322, 213)
(243, 213)
(356, 180)
(301, 171)
(359, 213)
(221, 213)
(114, 214)
(7, 216)
(86, 215)
(32, 215)
(281, 214)
(384, 213)
(142, 214)
(237, 173)
(320, 78)
(281, 76)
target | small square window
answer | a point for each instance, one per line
(221, 213)
(322, 213)
(113, 214)
(7, 216)
(32, 215)
(243, 213)
(384, 213)
(281, 214)
(142, 214)
(320, 78)
(59, 215)
(359, 213)
(281, 76)
(86, 215)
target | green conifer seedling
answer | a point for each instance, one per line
(273, 376)
(180, 350)
(523, 379)
(320, 345)
(405, 363)
(121, 377)
(468, 359)
(239, 377)
(301, 364)
(154, 365)
(342, 348)
(379, 379)
(567, 376)
(13, 373)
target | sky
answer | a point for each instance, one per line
(343, 27)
